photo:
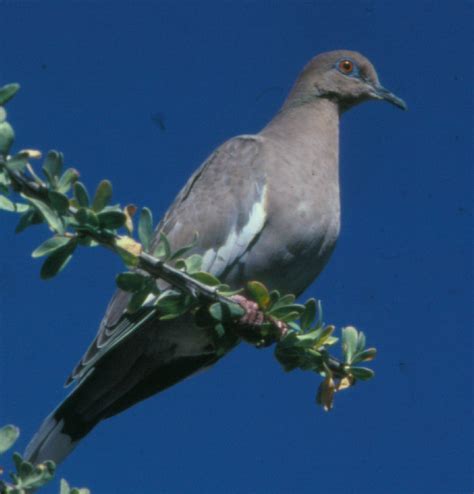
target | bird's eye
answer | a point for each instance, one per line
(346, 66)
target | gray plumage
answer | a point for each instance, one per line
(266, 207)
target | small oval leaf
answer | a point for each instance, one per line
(365, 356)
(163, 249)
(309, 314)
(145, 228)
(81, 195)
(56, 262)
(112, 220)
(59, 202)
(259, 292)
(52, 166)
(7, 92)
(50, 245)
(349, 343)
(102, 196)
(206, 278)
(8, 436)
(131, 282)
(7, 136)
(68, 178)
(362, 373)
(49, 215)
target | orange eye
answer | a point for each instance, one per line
(346, 66)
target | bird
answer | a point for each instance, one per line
(266, 207)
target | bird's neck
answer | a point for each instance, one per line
(311, 127)
(312, 124)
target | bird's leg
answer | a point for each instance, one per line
(255, 327)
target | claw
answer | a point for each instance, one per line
(251, 325)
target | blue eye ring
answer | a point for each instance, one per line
(347, 67)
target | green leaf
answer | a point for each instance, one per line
(172, 304)
(364, 356)
(220, 330)
(360, 342)
(349, 343)
(7, 92)
(102, 196)
(309, 314)
(17, 460)
(331, 340)
(111, 220)
(225, 291)
(59, 202)
(49, 215)
(26, 469)
(192, 264)
(52, 166)
(325, 335)
(29, 476)
(131, 281)
(290, 316)
(362, 373)
(183, 250)
(283, 301)
(7, 136)
(56, 262)
(319, 315)
(4, 181)
(145, 228)
(6, 204)
(280, 312)
(65, 489)
(219, 312)
(31, 217)
(87, 217)
(163, 249)
(223, 312)
(206, 278)
(274, 297)
(258, 292)
(137, 300)
(236, 310)
(82, 490)
(18, 162)
(81, 195)
(50, 246)
(14, 207)
(8, 436)
(68, 178)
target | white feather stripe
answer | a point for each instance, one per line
(237, 243)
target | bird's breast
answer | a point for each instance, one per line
(302, 223)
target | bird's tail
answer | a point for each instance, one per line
(58, 435)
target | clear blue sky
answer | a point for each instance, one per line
(93, 76)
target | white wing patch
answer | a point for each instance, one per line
(237, 242)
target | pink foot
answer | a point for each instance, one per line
(253, 326)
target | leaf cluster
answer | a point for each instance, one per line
(26, 475)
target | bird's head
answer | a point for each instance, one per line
(343, 76)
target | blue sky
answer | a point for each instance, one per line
(95, 79)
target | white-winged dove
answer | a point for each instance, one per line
(266, 207)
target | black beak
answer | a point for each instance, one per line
(382, 93)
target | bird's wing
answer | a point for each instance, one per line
(224, 201)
